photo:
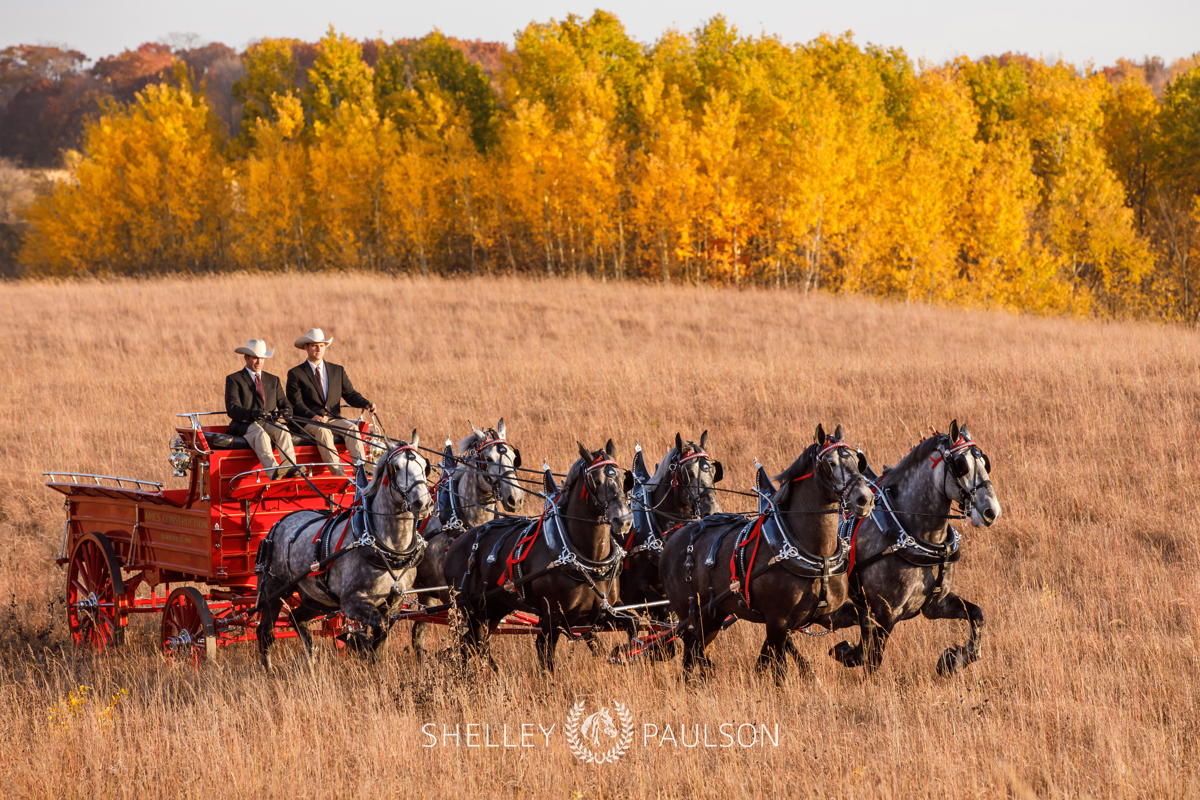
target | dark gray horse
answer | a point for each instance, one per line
(713, 569)
(477, 486)
(357, 562)
(562, 567)
(682, 489)
(906, 551)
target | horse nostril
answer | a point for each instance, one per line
(861, 501)
(989, 514)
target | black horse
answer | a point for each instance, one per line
(906, 550)
(562, 566)
(713, 569)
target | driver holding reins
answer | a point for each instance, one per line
(316, 389)
(254, 400)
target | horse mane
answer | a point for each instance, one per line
(801, 466)
(466, 444)
(920, 452)
(574, 475)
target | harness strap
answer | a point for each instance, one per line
(739, 548)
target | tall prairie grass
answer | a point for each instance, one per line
(1088, 684)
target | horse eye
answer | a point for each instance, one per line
(502, 449)
(704, 466)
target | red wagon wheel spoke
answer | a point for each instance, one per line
(94, 588)
(188, 631)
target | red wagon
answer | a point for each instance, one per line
(132, 547)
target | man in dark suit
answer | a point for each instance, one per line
(316, 390)
(250, 397)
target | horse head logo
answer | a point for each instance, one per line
(596, 724)
(590, 737)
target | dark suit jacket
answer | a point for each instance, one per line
(303, 394)
(241, 399)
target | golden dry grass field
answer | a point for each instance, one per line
(1089, 682)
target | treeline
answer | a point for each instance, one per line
(1007, 182)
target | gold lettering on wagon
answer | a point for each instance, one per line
(176, 520)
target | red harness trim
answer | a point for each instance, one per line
(341, 539)
(802, 477)
(506, 576)
(756, 537)
(853, 546)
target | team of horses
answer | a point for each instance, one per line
(833, 545)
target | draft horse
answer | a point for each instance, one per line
(905, 552)
(561, 567)
(784, 568)
(358, 562)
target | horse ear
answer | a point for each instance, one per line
(584, 453)
(480, 435)
(837, 434)
(500, 428)
(704, 441)
(628, 481)
(718, 472)
(678, 443)
(416, 440)
(820, 434)
(954, 431)
(609, 447)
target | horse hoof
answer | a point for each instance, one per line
(951, 662)
(847, 655)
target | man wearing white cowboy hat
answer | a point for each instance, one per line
(251, 395)
(316, 389)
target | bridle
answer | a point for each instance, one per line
(507, 472)
(692, 490)
(390, 474)
(955, 459)
(588, 491)
(825, 476)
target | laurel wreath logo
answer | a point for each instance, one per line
(583, 752)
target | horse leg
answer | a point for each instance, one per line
(266, 630)
(849, 615)
(802, 664)
(773, 655)
(419, 632)
(547, 641)
(952, 606)
(696, 642)
(358, 608)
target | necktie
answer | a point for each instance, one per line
(262, 397)
(320, 383)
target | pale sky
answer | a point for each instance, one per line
(1099, 31)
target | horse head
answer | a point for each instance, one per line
(840, 470)
(606, 487)
(694, 475)
(967, 476)
(402, 479)
(495, 462)
(597, 723)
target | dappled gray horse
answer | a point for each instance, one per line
(474, 489)
(785, 568)
(905, 552)
(358, 562)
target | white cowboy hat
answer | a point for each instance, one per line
(256, 348)
(314, 336)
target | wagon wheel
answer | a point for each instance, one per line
(94, 594)
(188, 630)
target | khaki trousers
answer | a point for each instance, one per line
(329, 454)
(261, 435)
